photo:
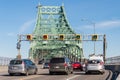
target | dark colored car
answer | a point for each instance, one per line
(22, 66)
(77, 66)
(60, 64)
(40, 62)
(45, 65)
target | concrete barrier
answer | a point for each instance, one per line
(118, 78)
(115, 69)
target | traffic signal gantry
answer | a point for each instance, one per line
(61, 37)
(64, 38)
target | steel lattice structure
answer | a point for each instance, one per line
(53, 36)
(52, 22)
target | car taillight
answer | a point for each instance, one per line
(101, 63)
(65, 64)
(49, 64)
(23, 63)
(72, 65)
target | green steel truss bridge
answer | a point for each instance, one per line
(53, 36)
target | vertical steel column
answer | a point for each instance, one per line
(104, 47)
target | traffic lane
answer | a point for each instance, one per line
(46, 76)
(3, 68)
(3, 73)
(93, 76)
(16, 77)
(74, 76)
(43, 74)
(57, 76)
(5, 76)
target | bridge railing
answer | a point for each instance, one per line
(113, 60)
(4, 61)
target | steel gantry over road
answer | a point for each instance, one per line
(53, 36)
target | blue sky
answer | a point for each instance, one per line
(19, 16)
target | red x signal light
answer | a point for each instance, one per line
(45, 37)
(61, 37)
(77, 37)
(94, 37)
(29, 37)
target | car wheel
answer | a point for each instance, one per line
(26, 73)
(102, 72)
(11, 74)
(87, 72)
(35, 71)
(72, 71)
(67, 71)
(81, 69)
(50, 72)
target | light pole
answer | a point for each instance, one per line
(93, 23)
(94, 41)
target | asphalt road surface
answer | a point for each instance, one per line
(43, 74)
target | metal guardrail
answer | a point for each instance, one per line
(109, 77)
(4, 61)
(113, 60)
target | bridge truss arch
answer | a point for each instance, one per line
(53, 36)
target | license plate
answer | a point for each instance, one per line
(92, 65)
(57, 67)
(15, 67)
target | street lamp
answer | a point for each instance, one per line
(93, 23)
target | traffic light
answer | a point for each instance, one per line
(94, 37)
(45, 37)
(29, 37)
(61, 37)
(77, 37)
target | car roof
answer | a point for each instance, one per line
(95, 60)
(20, 59)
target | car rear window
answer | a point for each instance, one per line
(16, 62)
(94, 61)
(57, 60)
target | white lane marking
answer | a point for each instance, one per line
(72, 77)
(29, 77)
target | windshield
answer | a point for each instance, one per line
(57, 60)
(94, 61)
(16, 62)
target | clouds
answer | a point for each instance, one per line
(24, 28)
(11, 34)
(104, 25)
(26, 25)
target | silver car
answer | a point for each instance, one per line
(95, 66)
(22, 66)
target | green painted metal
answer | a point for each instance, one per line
(52, 21)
